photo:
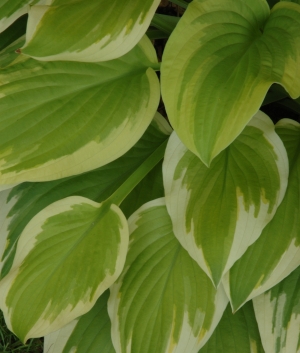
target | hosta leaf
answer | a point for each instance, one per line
(63, 118)
(218, 212)
(278, 315)
(89, 333)
(219, 63)
(66, 257)
(12, 10)
(236, 333)
(26, 200)
(163, 301)
(89, 31)
(14, 32)
(277, 252)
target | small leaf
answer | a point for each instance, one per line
(219, 63)
(278, 316)
(218, 212)
(67, 256)
(277, 251)
(89, 31)
(162, 302)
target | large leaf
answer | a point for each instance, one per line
(277, 252)
(66, 257)
(20, 205)
(89, 333)
(12, 10)
(278, 315)
(218, 212)
(163, 302)
(219, 63)
(236, 333)
(90, 31)
(63, 118)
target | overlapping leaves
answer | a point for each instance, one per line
(277, 251)
(57, 117)
(218, 212)
(163, 302)
(219, 63)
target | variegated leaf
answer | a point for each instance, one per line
(63, 118)
(89, 333)
(219, 63)
(235, 333)
(24, 201)
(162, 302)
(218, 212)
(67, 256)
(89, 31)
(11, 10)
(278, 315)
(277, 252)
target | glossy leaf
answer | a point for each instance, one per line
(89, 31)
(278, 315)
(235, 333)
(24, 201)
(219, 63)
(277, 252)
(63, 118)
(67, 256)
(163, 301)
(89, 333)
(218, 212)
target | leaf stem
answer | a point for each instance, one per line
(138, 175)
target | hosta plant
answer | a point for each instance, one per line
(150, 204)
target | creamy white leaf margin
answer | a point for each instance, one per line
(149, 225)
(248, 226)
(278, 315)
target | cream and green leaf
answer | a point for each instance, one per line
(89, 333)
(278, 316)
(89, 31)
(219, 63)
(235, 333)
(64, 118)
(11, 10)
(162, 302)
(67, 256)
(24, 201)
(277, 251)
(218, 212)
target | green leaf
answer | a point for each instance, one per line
(235, 333)
(67, 256)
(20, 205)
(63, 118)
(164, 22)
(162, 302)
(14, 32)
(218, 212)
(277, 252)
(278, 316)
(89, 333)
(89, 31)
(10, 10)
(219, 63)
